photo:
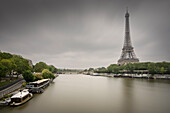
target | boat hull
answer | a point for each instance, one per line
(23, 102)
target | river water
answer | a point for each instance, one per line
(95, 94)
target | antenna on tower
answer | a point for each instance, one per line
(126, 9)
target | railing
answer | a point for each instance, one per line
(8, 85)
(11, 87)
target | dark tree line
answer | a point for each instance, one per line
(149, 67)
(10, 64)
(39, 67)
(15, 64)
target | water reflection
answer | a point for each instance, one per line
(127, 95)
(89, 94)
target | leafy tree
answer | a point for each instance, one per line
(21, 64)
(40, 66)
(91, 69)
(28, 76)
(113, 68)
(85, 70)
(53, 69)
(8, 64)
(37, 77)
(3, 71)
(162, 70)
(129, 67)
(47, 74)
(116, 69)
(5, 55)
(152, 68)
(110, 68)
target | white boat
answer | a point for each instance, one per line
(95, 74)
(21, 98)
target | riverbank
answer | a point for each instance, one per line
(33, 87)
(11, 87)
(141, 76)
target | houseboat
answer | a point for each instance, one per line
(38, 86)
(21, 97)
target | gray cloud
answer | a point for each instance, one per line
(83, 33)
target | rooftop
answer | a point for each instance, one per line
(39, 81)
(21, 94)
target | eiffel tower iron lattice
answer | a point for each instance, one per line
(128, 54)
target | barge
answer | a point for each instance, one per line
(20, 98)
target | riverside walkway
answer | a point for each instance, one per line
(11, 87)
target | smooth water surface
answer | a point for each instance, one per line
(95, 94)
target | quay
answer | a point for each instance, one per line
(32, 87)
(11, 87)
(141, 76)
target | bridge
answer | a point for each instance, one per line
(70, 72)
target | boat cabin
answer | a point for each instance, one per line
(21, 97)
(38, 84)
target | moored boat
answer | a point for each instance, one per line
(95, 74)
(21, 98)
(38, 86)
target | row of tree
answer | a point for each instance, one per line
(39, 67)
(146, 67)
(30, 77)
(10, 64)
(14, 64)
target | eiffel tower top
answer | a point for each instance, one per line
(128, 54)
(127, 41)
(127, 13)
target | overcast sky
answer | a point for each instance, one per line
(84, 33)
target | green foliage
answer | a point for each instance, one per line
(141, 66)
(3, 99)
(113, 68)
(152, 68)
(23, 84)
(91, 69)
(5, 55)
(3, 70)
(129, 67)
(28, 76)
(4, 83)
(6, 96)
(116, 70)
(101, 70)
(8, 64)
(37, 76)
(21, 64)
(12, 63)
(162, 70)
(40, 66)
(47, 74)
(52, 69)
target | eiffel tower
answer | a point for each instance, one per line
(128, 54)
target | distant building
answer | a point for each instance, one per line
(30, 62)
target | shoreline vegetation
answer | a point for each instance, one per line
(150, 68)
(14, 67)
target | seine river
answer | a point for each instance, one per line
(95, 94)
